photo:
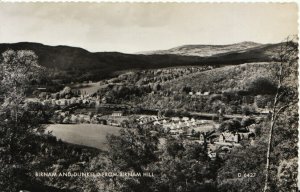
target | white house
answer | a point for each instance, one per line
(185, 118)
(117, 114)
(175, 119)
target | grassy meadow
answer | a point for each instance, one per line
(92, 135)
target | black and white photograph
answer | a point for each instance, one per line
(149, 97)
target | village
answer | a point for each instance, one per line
(221, 131)
(84, 109)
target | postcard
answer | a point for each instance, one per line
(148, 97)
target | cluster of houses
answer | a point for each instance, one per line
(144, 119)
(199, 93)
(117, 114)
(219, 143)
(177, 125)
(67, 118)
(90, 101)
(67, 115)
(174, 125)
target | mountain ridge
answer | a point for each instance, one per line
(204, 50)
(78, 63)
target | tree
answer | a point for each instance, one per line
(287, 172)
(262, 85)
(185, 168)
(156, 87)
(230, 125)
(234, 175)
(132, 151)
(262, 101)
(287, 68)
(246, 121)
(18, 122)
(247, 110)
(186, 89)
(174, 148)
(17, 70)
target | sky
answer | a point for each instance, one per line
(136, 27)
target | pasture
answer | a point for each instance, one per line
(92, 135)
(88, 88)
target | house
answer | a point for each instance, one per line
(104, 100)
(211, 138)
(212, 155)
(251, 128)
(176, 119)
(61, 102)
(263, 111)
(73, 100)
(187, 124)
(97, 102)
(53, 101)
(221, 138)
(46, 102)
(229, 137)
(202, 137)
(176, 131)
(112, 122)
(154, 133)
(73, 118)
(171, 126)
(86, 101)
(185, 118)
(117, 114)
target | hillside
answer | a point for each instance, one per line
(72, 63)
(228, 77)
(237, 81)
(206, 50)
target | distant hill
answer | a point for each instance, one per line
(206, 50)
(79, 64)
(84, 65)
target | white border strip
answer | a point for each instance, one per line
(158, 1)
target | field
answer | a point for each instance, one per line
(88, 88)
(92, 135)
